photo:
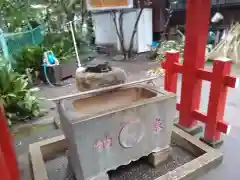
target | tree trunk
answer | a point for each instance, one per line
(129, 54)
(120, 20)
(164, 34)
(83, 15)
(120, 30)
(120, 33)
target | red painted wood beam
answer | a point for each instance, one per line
(222, 126)
(227, 81)
(197, 21)
(217, 98)
(204, 74)
(4, 174)
(170, 78)
(7, 148)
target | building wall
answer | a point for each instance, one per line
(105, 31)
(144, 33)
(129, 19)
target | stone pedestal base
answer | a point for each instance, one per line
(192, 131)
(213, 144)
(157, 158)
(88, 81)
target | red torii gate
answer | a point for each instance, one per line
(192, 70)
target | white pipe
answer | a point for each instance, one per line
(228, 129)
(75, 44)
(69, 22)
(237, 83)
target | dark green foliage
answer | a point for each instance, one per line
(17, 97)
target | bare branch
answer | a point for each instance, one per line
(119, 34)
(134, 32)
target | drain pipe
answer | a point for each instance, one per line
(75, 43)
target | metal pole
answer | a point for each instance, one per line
(75, 44)
(102, 89)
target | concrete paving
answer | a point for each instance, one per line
(137, 70)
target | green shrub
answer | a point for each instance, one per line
(17, 97)
(30, 58)
(29, 62)
(62, 48)
(167, 46)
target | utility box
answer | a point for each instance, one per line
(110, 129)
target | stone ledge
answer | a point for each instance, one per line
(158, 158)
(207, 157)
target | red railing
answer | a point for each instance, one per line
(193, 72)
(8, 161)
(220, 81)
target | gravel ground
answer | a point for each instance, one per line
(57, 168)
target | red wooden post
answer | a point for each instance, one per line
(6, 146)
(217, 99)
(197, 20)
(170, 80)
(3, 168)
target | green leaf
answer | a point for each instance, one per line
(36, 113)
(18, 99)
(12, 95)
(36, 89)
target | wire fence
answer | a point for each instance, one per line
(11, 44)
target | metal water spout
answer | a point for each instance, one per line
(217, 17)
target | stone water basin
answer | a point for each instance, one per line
(113, 128)
(112, 99)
